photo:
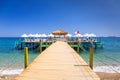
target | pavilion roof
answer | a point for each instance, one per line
(59, 32)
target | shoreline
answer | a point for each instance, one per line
(103, 72)
(102, 75)
(108, 76)
(107, 69)
(8, 77)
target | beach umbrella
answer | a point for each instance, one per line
(36, 35)
(89, 35)
(78, 35)
(75, 32)
(69, 35)
(50, 35)
(39, 35)
(43, 35)
(24, 35)
(86, 35)
(31, 35)
(92, 35)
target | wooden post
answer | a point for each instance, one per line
(25, 57)
(40, 46)
(46, 44)
(91, 57)
(69, 42)
(78, 47)
(72, 44)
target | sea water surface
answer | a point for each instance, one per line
(11, 59)
(105, 60)
(108, 58)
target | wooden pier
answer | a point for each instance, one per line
(58, 62)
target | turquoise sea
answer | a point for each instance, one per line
(105, 60)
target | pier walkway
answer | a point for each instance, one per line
(58, 62)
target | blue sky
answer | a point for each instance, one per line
(101, 17)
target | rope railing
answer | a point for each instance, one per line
(99, 60)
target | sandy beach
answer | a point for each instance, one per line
(8, 77)
(102, 75)
(108, 76)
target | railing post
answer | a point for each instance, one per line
(46, 44)
(91, 57)
(25, 57)
(72, 44)
(78, 47)
(40, 46)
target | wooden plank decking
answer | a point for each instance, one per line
(58, 62)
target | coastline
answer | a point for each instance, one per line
(103, 72)
(107, 69)
(102, 75)
(8, 77)
(108, 76)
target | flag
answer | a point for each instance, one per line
(78, 32)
